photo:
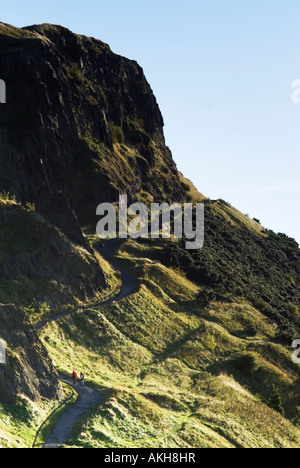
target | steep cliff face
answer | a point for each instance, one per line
(80, 125)
(28, 370)
(76, 112)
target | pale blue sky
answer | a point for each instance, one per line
(222, 73)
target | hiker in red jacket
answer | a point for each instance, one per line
(74, 377)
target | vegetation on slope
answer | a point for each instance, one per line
(240, 258)
(41, 271)
(175, 374)
(197, 357)
(40, 265)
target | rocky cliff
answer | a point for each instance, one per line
(76, 112)
(80, 125)
(28, 370)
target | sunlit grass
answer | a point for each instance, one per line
(165, 364)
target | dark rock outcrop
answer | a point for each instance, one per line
(80, 126)
(28, 369)
(69, 99)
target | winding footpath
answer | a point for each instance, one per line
(129, 285)
(87, 396)
(61, 431)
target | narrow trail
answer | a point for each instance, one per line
(87, 396)
(61, 431)
(129, 285)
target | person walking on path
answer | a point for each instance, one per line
(74, 377)
(82, 379)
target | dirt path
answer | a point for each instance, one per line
(61, 431)
(129, 284)
(87, 396)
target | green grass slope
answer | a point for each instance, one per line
(174, 373)
(41, 272)
(40, 264)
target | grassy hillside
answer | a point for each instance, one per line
(176, 374)
(41, 273)
(40, 265)
(200, 356)
(241, 258)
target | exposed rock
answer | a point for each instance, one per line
(81, 125)
(69, 99)
(28, 369)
